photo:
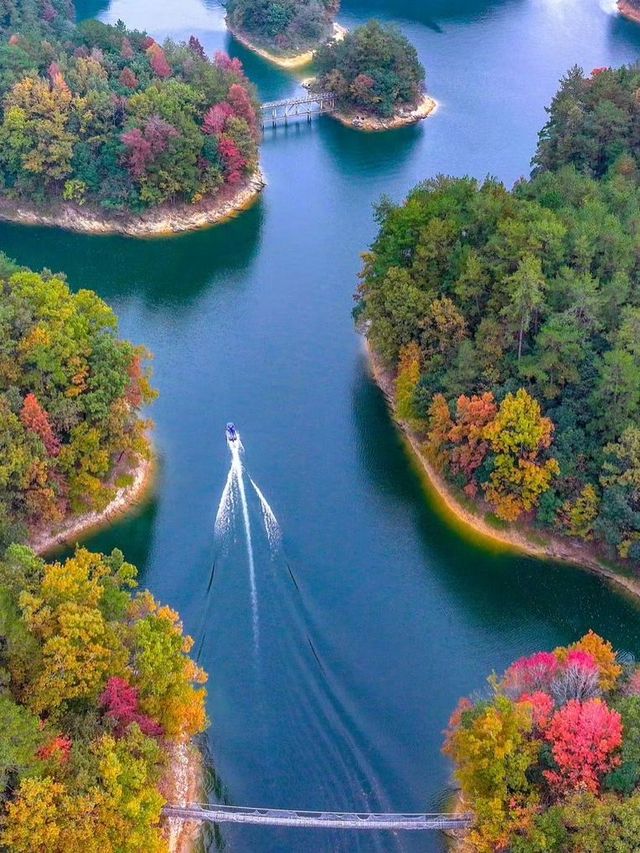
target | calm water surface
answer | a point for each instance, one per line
(375, 616)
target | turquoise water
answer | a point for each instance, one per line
(374, 616)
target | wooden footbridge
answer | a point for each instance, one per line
(315, 103)
(319, 820)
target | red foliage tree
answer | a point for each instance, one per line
(59, 749)
(126, 50)
(232, 160)
(147, 143)
(48, 12)
(541, 707)
(531, 674)
(128, 79)
(584, 738)
(136, 374)
(472, 416)
(120, 701)
(158, 61)
(36, 419)
(196, 47)
(241, 105)
(225, 63)
(216, 117)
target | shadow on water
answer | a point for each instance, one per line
(86, 9)
(379, 154)
(273, 83)
(133, 535)
(171, 271)
(496, 588)
(431, 13)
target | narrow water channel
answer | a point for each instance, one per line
(374, 615)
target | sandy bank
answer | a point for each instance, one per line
(298, 60)
(629, 11)
(183, 784)
(548, 547)
(78, 527)
(405, 117)
(159, 222)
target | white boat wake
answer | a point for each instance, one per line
(234, 496)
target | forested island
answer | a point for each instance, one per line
(103, 128)
(511, 323)
(71, 394)
(376, 77)
(97, 692)
(550, 761)
(285, 32)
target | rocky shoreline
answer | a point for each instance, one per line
(554, 547)
(160, 222)
(404, 118)
(78, 527)
(629, 10)
(182, 785)
(298, 60)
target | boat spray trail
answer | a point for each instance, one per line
(271, 526)
(237, 468)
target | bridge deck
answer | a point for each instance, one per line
(311, 104)
(324, 820)
(303, 100)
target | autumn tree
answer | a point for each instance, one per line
(407, 380)
(584, 738)
(473, 415)
(517, 436)
(493, 753)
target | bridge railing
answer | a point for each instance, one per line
(308, 105)
(327, 820)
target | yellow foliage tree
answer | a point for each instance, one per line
(605, 657)
(517, 435)
(407, 380)
(492, 751)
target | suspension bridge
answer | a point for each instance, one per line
(312, 104)
(319, 820)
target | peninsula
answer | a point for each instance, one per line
(100, 701)
(514, 360)
(103, 129)
(74, 444)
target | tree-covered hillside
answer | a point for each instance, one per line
(283, 25)
(594, 123)
(70, 400)
(95, 685)
(28, 16)
(374, 69)
(104, 115)
(513, 322)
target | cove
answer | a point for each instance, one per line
(378, 616)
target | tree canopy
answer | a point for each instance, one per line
(95, 684)
(283, 25)
(103, 115)
(374, 69)
(520, 311)
(549, 762)
(70, 398)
